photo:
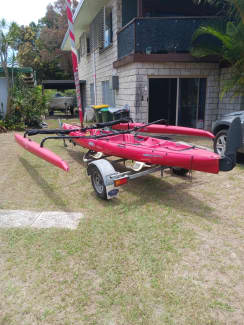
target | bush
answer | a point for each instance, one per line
(2, 127)
(28, 106)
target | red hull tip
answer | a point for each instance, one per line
(40, 152)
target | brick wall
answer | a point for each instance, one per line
(228, 103)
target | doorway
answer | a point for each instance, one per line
(180, 101)
(162, 99)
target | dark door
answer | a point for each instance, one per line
(83, 96)
(162, 99)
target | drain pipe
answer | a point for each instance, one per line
(94, 75)
(219, 101)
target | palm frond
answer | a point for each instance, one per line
(209, 30)
(201, 52)
(233, 8)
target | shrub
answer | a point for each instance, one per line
(28, 105)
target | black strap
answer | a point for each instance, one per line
(103, 125)
(50, 131)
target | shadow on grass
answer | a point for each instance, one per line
(77, 156)
(158, 191)
(150, 189)
(44, 186)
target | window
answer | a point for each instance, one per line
(79, 50)
(108, 94)
(92, 94)
(88, 46)
(129, 11)
(184, 101)
(101, 30)
(82, 46)
(108, 27)
(96, 32)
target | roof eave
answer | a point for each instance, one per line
(83, 16)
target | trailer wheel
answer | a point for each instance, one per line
(98, 183)
(180, 171)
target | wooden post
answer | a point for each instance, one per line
(139, 8)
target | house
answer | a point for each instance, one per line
(137, 52)
(28, 77)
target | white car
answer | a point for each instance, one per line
(61, 103)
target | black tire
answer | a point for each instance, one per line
(240, 158)
(98, 183)
(180, 171)
(220, 142)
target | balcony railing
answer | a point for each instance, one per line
(161, 35)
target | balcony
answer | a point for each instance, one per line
(150, 36)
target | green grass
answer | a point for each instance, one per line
(167, 251)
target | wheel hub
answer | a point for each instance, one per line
(221, 145)
(98, 182)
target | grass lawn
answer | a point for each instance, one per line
(166, 251)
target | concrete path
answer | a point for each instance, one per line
(23, 219)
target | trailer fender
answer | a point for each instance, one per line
(106, 170)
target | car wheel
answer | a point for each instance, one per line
(180, 171)
(220, 142)
(98, 183)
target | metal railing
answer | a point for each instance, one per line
(161, 35)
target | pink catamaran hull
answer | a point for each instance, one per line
(150, 150)
(42, 153)
(138, 148)
(166, 129)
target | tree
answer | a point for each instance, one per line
(232, 8)
(52, 34)
(39, 45)
(29, 46)
(228, 44)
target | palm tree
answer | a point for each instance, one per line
(228, 44)
(12, 63)
(8, 36)
(233, 8)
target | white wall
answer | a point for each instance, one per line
(3, 95)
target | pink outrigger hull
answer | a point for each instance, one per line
(165, 129)
(42, 153)
(150, 150)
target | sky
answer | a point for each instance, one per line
(23, 12)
